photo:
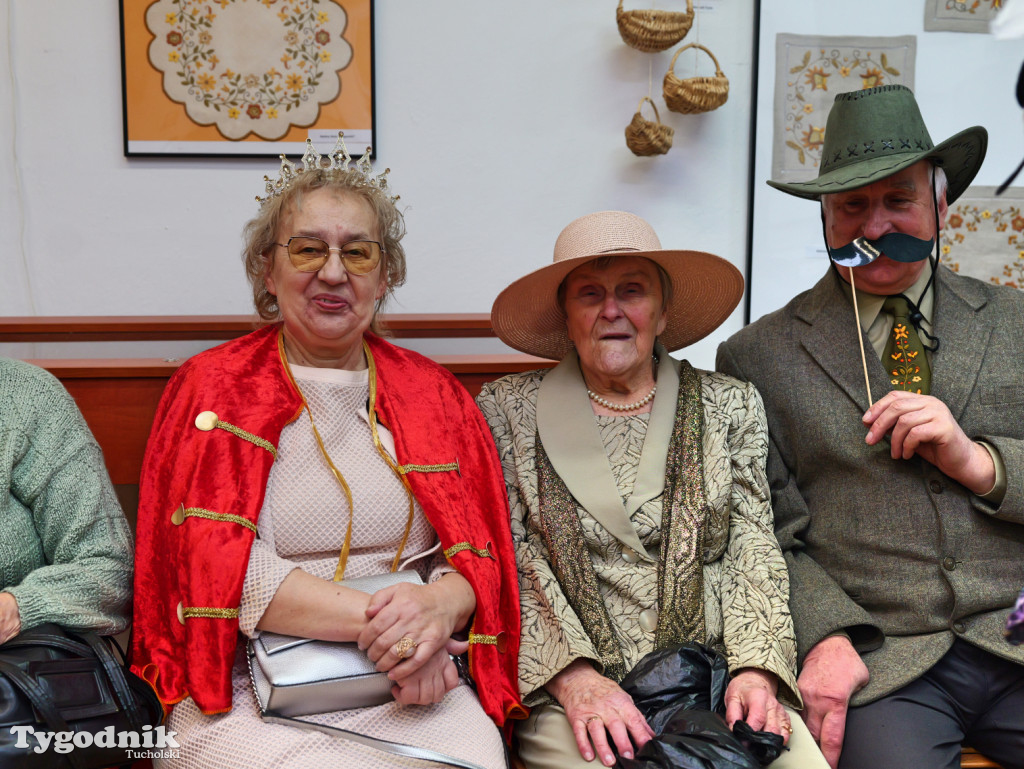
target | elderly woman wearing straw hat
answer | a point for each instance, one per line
(640, 510)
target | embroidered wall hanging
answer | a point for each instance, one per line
(809, 71)
(984, 236)
(960, 15)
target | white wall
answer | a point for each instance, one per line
(961, 80)
(501, 122)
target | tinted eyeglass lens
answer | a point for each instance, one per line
(307, 254)
(360, 256)
(310, 254)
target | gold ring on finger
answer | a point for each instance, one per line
(788, 728)
(405, 647)
(592, 718)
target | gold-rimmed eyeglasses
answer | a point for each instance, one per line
(310, 254)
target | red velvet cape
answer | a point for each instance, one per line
(196, 568)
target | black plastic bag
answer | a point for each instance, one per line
(681, 692)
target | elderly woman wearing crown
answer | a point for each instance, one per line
(640, 509)
(310, 437)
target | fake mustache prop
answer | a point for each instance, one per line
(898, 246)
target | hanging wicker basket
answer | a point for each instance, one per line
(652, 30)
(646, 137)
(694, 94)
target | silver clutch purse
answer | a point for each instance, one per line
(300, 676)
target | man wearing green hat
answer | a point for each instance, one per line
(894, 391)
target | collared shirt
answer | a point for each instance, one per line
(878, 324)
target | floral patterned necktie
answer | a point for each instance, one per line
(904, 357)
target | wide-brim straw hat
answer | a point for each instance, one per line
(705, 287)
(877, 132)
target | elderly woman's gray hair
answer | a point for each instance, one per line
(261, 233)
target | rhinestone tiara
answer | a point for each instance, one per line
(338, 159)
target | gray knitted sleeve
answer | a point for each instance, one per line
(67, 548)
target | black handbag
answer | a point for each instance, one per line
(67, 701)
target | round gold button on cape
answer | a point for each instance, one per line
(207, 420)
(181, 613)
(178, 516)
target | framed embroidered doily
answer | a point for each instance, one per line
(246, 77)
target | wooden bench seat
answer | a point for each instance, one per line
(972, 759)
(119, 396)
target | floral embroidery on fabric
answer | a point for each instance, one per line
(211, 66)
(994, 228)
(906, 373)
(809, 71)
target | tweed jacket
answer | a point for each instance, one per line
(745, 580)
(893, 552)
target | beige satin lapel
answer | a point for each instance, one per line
(565, 422)
(650, 475)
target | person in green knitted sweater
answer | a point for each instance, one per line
(65, 546)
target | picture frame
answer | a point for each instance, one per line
(246, 78)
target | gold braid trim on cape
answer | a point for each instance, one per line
(681, 569)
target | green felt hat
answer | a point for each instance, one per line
(877, 132)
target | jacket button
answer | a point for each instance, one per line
(959, 627)
(949, 563)
(648, 620)
(207, 420)
(629, 555)
(935, 486)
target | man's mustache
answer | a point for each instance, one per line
(898, 246)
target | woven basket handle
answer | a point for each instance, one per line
(672, 66)
(639, 109)
(689, 7)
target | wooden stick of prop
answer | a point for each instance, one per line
(860, 336)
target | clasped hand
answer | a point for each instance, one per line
(427, 615)
(922, 425)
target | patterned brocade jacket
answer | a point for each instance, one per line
(745, 582)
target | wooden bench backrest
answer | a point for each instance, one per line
(119, 396)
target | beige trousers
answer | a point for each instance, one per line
(546, 741)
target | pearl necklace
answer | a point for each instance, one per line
(624, 407)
